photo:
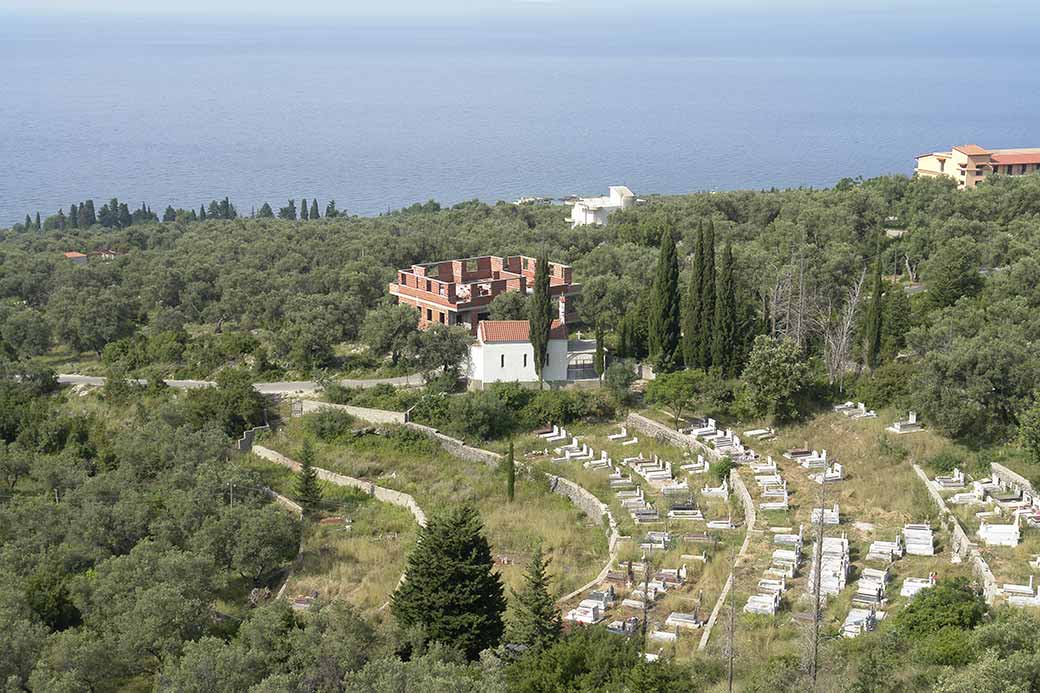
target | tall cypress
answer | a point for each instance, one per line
(450, 591)
(510, 474)
(74, 216)
(536, 621)
(314, 209)
(725, 350)
(691, 326)
(707, 297)
(305, 211)
(202, 212)
(874, 317)
(28, 223)
(664, 307)
(540, 314)
(308, 489)
(61, 219)
(39, 226)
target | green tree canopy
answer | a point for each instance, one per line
(450, 591)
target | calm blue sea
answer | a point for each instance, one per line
(382, 115)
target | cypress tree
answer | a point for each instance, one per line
(314, 209)
(691, 326)
(123, 216)
(61, 219)
(330, 210)
(664, 307)
(874, 317)
(450, 591)
(194, 216)
(510, 474)
(725, 351)
(28, 223)
(39, 226)
(540, 314)
(305, 212)
(170, 214)
(202, 212)
(74, 216)
(599, 362)
(308, 489)
(536, 621)
(707, 297)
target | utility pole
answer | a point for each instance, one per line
(646, 599)
(814, 638)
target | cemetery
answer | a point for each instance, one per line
(681, 525)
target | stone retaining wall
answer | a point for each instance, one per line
(380, 493)
(456, 447)
(668, 435)
(1012, 478)
(379, 416)
(592, 506)
(962, 545)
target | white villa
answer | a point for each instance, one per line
(503, 353)
(595, 210)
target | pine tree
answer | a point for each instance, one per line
(540, 316)
(725, 351)
(664, 308)
(170, 214)
(510, 474)
(266, 212)
(305, 212)
(536, 621)
(74, 216)
(707, 297)
(691, 315)
(330, 210)
(202, 212)
(314, 209)
(874, 325)
(308, 489)
(123, 216)
(450, 591)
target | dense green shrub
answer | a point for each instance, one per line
(328, 424)
(951, 603)
(889, 385)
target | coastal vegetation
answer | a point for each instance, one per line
(139, 552)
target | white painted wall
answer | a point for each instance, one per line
(508, 362)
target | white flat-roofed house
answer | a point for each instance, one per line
(596, 210)
(503, 354)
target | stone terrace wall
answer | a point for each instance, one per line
(665, 434)
(962, 545)
(456, 447)
(1012, 478)
(379, 416)
(380, 493)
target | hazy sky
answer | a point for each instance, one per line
(386, 8)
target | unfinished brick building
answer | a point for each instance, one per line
(457, 292)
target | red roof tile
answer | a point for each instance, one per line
(515, 331)
(1025, 158)
(971, 149)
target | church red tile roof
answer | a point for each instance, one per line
(515, 331)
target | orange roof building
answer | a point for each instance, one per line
(968, 164)
(458, 292)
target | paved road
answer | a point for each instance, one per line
(276, 388)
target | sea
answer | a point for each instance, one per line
(380, 113)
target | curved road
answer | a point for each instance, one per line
(287, 387)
